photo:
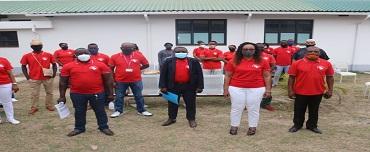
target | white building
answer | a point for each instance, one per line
(341, 28)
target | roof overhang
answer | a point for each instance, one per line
(193, 12)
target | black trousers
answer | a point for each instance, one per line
(189, 95)
(300, 105)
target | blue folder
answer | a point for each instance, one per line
(171, 97)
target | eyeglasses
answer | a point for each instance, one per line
(313, 51)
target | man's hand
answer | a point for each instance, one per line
(199, 90)
(164, 90)
(328, 94)
(15, 88)
(62, 99)
(110, 97)
(291, 94)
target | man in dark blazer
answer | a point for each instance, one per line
(183, 76)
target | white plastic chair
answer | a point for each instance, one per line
(342, 70)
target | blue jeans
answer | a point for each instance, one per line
(279, 70)
(96, 102)
(137, 88)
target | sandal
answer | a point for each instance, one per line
(251, 131)
(233, 130)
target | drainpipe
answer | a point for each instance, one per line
(246, 26)
(148, 36)
(34, 31)
(355, 41)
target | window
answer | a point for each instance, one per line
(188, 32)
(8, 39)
(298, 30)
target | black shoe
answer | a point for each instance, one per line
(107, 132)
(294, 129)
(233, 130)
(192, 124)
(315, 130)
(74, 133)
(169, 122)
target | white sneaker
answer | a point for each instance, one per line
(14, 100)
(115, 114)
(1, 120)
(14, 122)
(145, 113)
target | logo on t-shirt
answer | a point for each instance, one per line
(44, 58)
(134, 60)
(256, 66)
(320, 67)
(100, 59)
(69, 52)
(265, 58)
(1, 66)
(214, 53)
(93, 68)
(288, 51)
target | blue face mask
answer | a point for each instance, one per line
(181, 55)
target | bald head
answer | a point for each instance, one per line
(180, 50)
(80, 51)
(127, 48)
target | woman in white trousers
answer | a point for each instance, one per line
(7, 85)
(247, 80)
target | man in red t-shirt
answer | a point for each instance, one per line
(88, 80)
(183, 76)
(229, 55)
(127, 67)
(292, 47)
(306, 84)
(96, 55)
(198, 53)
(283, 56)
(38, 63)
(266, 101)
(212, 59)
(63, 55)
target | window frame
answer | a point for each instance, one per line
(10, 46)
(296, 31)
(192, 31)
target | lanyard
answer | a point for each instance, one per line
(128, 62)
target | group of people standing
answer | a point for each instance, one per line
(91, 77)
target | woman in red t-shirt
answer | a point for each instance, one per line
(7, 84)
(247, 80)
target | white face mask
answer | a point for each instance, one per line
(83, 57)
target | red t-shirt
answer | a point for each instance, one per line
(198, 52)
(182, 71)
(268, 57)
(64, 56)
(247, 74)
(101, 58)
(212, 64)
(283, 56)
(85, 78)
(294, 48)
(35, 70)
(128, 67)
(269, 50)
(4, 68)
(310, 76)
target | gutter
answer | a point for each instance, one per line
(246, 26)
(190, 13)
(355, 41)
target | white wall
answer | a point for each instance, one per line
(334, 34)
